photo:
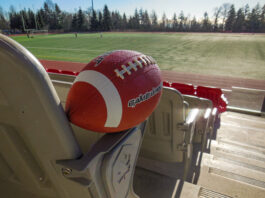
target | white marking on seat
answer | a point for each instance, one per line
(109, 93)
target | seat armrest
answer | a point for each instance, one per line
(104, 145)
(109, 164)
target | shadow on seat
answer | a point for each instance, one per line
(39, 154)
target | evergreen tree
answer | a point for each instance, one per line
(130, 23)
(15, 21)
(262, 19)
(80, 20)
(74, 22)
(229, 24)
(124, 21)
(47, 14)
(66, 21)
(94, 21)
(206, 24)
(58, 17)
(136, 20)
(154, 22)
(116, 20)
(50, 16)
(240, 21)
(39, 18)
(106, 19)
(254, 23)
(174, 22)
(181, 21)
(30, 19)
(100, 21)
(146, 21)
(194, 25)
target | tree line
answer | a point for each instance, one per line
(50, 17)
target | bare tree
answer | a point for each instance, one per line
(225, 9)
(217, 13)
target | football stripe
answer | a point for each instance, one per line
(108, 91)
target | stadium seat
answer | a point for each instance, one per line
(168, 135)
(63, 78)
(166, 84)
(56, 71)
(39, 154)
(187, 89)
(215, 95)
(68, 72)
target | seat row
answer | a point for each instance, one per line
(212, 93)
(178, 122)
(186, 115)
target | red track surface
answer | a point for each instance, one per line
(195, 79)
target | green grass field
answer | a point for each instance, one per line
(238, 55)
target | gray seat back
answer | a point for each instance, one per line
(33, 127)
(164, 138)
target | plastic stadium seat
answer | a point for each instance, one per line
(68, 72)
(187, 89)
(215, 95)
(69, 77)
(205, 119)
(39, 154)
(170, 130)
(56, 71)
(166, 84)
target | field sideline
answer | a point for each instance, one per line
(235, 55)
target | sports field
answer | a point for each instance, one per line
(237, 55)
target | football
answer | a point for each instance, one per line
(114, 92)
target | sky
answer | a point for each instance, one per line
(193, 7)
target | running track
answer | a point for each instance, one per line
(172, 76)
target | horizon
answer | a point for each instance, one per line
(128, 7)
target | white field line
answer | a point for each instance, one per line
(227, 90)
(248, 89)
(66, 49)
